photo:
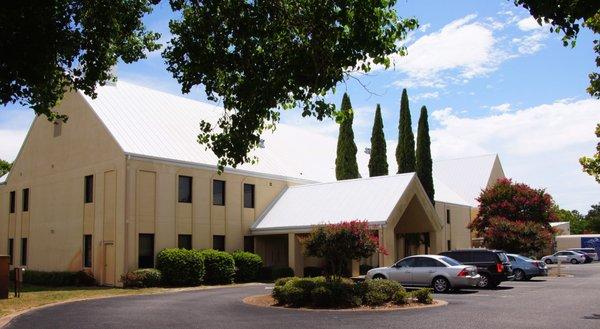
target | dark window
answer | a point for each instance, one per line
(219, 242)
(87, 250)
(57, 128)
(184, 241)
(427, 262)
(24, 252)
(185, 189)
(447, 216)
(25, 200)
(249, 243)
(512, 258)
(450, 261)
(13, 196)
(89, 189)
(408, 262)
(484, 257)
(146, 251)
(449, 245)
(461, 256)
(11, 251)
(248, 196)
(218, 192)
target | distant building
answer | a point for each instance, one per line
(124, 178)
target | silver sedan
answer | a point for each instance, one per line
(439, 272)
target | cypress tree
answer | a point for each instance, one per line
(405, 151)
(346, 166)
(378, 165)
(424, 164)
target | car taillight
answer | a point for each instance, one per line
(499, 267)
(463, 272)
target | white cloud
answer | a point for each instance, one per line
(504, 107)
(528, 24)
(539, 145)
(427, 95)
(11, 143)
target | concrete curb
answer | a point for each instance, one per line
(5, 320)
(438, 303)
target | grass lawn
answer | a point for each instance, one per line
(32, 296)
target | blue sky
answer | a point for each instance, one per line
(492, 79)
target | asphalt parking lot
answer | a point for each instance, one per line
(566, 302)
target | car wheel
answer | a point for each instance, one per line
(519, 275)
(440, 285)
(548, 261)
(485, 282)
(378, 277)
(574, 261)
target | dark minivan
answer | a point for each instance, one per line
(493, 265)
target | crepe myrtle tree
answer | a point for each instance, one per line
(259, 57)
(340, 243)
(515, 217)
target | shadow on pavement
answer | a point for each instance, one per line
(592, 317)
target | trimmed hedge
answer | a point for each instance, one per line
(247, 266)
(379, 292)
(142, 278)
(58, 278)
(220, 267)
(423, 295)
(181, 267)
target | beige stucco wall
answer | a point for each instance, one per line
(53, 168)
(457, 231)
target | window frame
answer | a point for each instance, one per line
(25, 200)
(57, 128)
(88, 189)
(11, 250)
(249, 243)
(142, 258)
(87, 251)
(179, 241)
(24, 249)
(252, 196)
(219, 237)
(223, 184)
(447, 216)
(12, 202)
(187, 180)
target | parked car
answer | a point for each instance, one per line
(493, 265)
(439, 272)
(569, 256)
(588, 251)
(588, 259)
(526, 268)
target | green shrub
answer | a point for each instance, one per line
(401, 297)
(142, 278)
(58, 278)
(423, 295)
(282, 281)
(364, 268)
(220, 267)
(181, 267)
(279, 294)
(322, 296)
(345, 293)
(379, 292)
(313, 271)
(247, 266)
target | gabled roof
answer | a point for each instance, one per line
(466, 176)
(302, 206)
(3, 178)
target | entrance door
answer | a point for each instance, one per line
(109, 264)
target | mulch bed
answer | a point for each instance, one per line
(268, 301)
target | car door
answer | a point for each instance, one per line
(424, 270)
(402, 271)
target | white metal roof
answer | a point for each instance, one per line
(371, 199)
(465, 176)
(3, 178)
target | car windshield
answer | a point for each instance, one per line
(503, 257)
(449, 261)
(524, 257)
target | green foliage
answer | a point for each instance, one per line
(577, 223)
(515, 217)
(378, 165)
(220, 266)
(423, 295)
(181, 267)
(338, 244)
(401, 297)
(142, 278)
(313, 271)
(247, 266)
(316, 292)
(322, 297)
(346, 166)
(282, 281)
(567, 16)
(424, 164)
(591, 165)
(364, 268)
(593, 219)
(257, 57)
(58, 278)
(405, 151)
(379, 292)
(4, 167)
(49, 47)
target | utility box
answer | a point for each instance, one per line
(4, 273)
